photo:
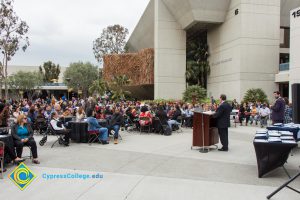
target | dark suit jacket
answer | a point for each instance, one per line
(223, 115)
(278, 110)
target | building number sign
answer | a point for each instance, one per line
(296, 13)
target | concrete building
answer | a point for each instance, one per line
(247, 41)
(294, 72)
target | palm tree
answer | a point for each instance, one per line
(197, 62)
(98, 86)
(118, 84)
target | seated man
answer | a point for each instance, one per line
(58, 126)
(264, 113)
(94, 125)
(115, 123)
(173, 120)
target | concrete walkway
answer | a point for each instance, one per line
(143, 167)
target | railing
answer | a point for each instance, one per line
(284, 66)
(54, 84)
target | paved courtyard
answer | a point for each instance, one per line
(143, 167)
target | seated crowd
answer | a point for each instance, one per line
(25, 116)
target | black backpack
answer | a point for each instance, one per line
(167, 130)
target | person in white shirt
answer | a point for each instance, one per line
(59, 127)
(264, 113)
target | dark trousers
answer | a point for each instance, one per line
(31, 143)
(65, 132)
(10, 152)
(223, 133)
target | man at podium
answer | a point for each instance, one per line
(223, 121)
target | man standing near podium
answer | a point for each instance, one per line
(223, 121)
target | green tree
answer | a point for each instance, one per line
(81, 76)
(111, 41)
(198, 67)
(12, 33)
(255, 94)
(194, 93)
(99, 87)
(118, 87)
(25, 81)
(49, 71)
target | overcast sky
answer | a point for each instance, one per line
(63, 31)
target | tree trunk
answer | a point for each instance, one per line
(1, 81)
(5, 78)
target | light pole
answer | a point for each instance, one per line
(68, 80)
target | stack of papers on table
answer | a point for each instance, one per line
(289, 141)
(274, 139)
(260, 140)
(278, 124)
(262, 131)
(260, 136)
(274, 134)
(286, 133)
(287, 138)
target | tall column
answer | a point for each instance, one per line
(294, 76)
(170, 54)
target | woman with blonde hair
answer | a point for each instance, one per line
(22, 134)
(80, 114)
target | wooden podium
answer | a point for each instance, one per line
(205, 132)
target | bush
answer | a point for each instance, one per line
(255, 94)
(194, 92)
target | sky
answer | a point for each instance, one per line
(63, 31)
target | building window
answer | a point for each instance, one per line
(284, 37)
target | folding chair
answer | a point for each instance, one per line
(58, 134)
(145, 124)
(30, 153)
(2, 146)
(93, 135)
(178, 127)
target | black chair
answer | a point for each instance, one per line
(176, 127)
(58, 134)
(286, 184)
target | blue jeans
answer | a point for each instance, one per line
(171, 122)
(116, 129)
(103, 134)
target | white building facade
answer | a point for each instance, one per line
(246, 40)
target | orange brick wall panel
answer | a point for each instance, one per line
(139, 67)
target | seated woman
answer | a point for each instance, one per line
(115, 123)
(12, 155)
(22, 134)
(162, 115)
(31, 116)
(145, 113)
(80, 114)
(4, 117)
(58, 126)
(94, 125)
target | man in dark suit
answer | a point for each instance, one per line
(278, 109)
(223, 121)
